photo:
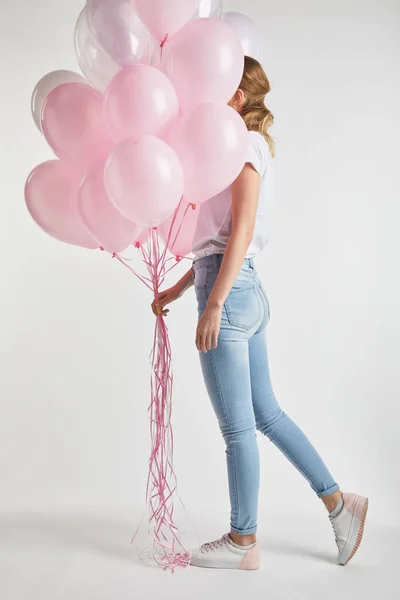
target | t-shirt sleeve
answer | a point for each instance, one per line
(255, 155)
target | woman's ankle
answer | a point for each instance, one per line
(243, 540)
(332, 500)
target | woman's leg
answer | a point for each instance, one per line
(347, 512)
(226, 373)
(282, 431)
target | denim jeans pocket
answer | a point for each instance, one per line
(244, 307)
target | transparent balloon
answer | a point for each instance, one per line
(108, 36)
(51, 195)
(98, 67)
(164, 18)
(46, 85)
(119, 31)
(144, 180)
(248, 33)
(209, 8)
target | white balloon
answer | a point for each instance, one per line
(248, 32)
(46, 85)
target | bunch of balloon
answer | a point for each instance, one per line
(142, 139)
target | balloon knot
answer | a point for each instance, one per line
(193, 206)
(178, 258)
(101, 248)
(114, 254)
(164, 41)
(154, 228)
(137, 244)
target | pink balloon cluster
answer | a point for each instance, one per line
(139, 147)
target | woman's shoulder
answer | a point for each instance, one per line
(257, 151)
(256, 138)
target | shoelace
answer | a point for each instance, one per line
(215, 544)
(334, 530)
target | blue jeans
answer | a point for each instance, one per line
(238, 382)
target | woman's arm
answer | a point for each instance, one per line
(172, 294)
(185, 282)
(245, 191)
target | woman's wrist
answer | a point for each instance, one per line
(179, 289)
(214, 304)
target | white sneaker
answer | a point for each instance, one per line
(225, 554)
(348, 526)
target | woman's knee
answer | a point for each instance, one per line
(239, 433)
(266, 423)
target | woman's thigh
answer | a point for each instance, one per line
(226, 368)
(226, 371)
(265, 405)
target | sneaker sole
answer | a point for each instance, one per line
(225, 568)
(360, 532)
(241, 567)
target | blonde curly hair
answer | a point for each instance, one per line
(255, 86)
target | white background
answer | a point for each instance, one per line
(76, 327)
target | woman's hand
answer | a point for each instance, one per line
(208, 329)
(166, 297)
(172, 294)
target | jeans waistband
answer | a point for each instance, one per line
(215, 260)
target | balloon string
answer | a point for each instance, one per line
(159, 263)
(122, 261)
(161, 486)
(193, 207)
(177, 261)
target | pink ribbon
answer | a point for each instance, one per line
(168, 550)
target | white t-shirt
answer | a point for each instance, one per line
(214, 225)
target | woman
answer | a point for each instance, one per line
(231, 338)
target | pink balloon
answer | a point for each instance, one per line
(178, 231)
(73, 124)
(142, 237)
(105, 223)
(248, 33)
(51, 195)
(204, 62)
(165, 17)
(211, 142)
(139, 101)
(45, 86)
(144, 180)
